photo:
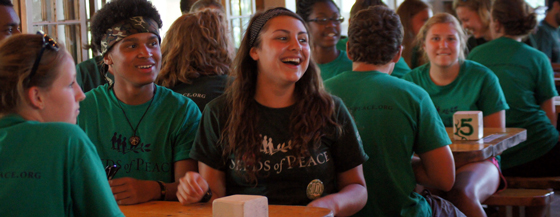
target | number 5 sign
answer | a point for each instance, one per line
(467, 125)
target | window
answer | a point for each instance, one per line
(63, 20)
(238, 14)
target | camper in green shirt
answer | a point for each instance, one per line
(48, 165)
(455, 84)
(526, 78)
(396, 119)
(144, 128)
(324, 19)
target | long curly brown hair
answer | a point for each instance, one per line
(197, 44)
(311, 119)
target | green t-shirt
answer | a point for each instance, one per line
(335, 67)
(548, 41)
(51, 169)
(281, 178)
(401, 68)
(476, 88)
(396, 119)
(526, 78)
(88, 74)
(203, 89)
(166, 132)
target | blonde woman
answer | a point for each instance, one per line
(49, 167)
(456, 84)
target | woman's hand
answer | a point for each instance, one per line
(192, 187)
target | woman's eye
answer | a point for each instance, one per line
(303, 40)
(282, 38)
(154, 44)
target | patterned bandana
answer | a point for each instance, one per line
(126, 28)
(260, 21)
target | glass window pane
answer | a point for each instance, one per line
(40, 12)
(235, 7)
(246, 7)
(69, 35)
(68, 10)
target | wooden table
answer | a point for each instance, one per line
(493, 143)
(169, 208)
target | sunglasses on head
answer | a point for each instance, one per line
(48, 42)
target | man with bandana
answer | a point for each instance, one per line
(547, 37)
(144, 130)
(9, 20)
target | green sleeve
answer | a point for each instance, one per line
(205, 148)
(431, 132)
(348, 151)
(492, 98)
(91, 194)
(546, 88)
(187, 132)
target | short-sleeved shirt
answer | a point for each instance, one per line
(548, 41)
(335, 67)
(88, 74)
(281, 178)
(203, 89)
(401, 68)
(166, 132)
(526, 77)
(51, 169)
(396, 119)
(476, 88)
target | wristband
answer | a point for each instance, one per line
(163, 190)
(207, 196)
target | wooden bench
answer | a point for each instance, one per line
(534, 183)
(522, 202)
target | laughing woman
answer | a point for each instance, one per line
(276, 131)
(48, 165)
(455, 84)
(323, 18)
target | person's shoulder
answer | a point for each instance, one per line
(60, 130)
(94, 96)
(217, 103)
(476, 69)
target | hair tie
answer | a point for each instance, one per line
(261, 20)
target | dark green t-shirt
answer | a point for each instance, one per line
(335, 67)
(476, 88)
(88, 74)
(526, 77)
(401, 68)
(166, 132)
(51, 169)
(396, 119)
(548, 41)
(281, 178)
(203, 89)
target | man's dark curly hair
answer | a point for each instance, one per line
(6, 3)
(375, 35)
(116, 11)
(305, 7)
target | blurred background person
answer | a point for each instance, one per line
(196, 56)
(413, 14)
